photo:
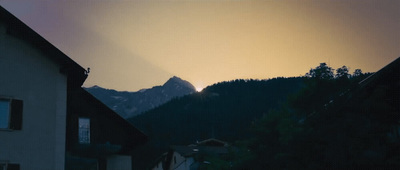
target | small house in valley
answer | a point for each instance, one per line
(193, 156)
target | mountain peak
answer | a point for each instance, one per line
(96, 87)
(134, 103)
(176, 81)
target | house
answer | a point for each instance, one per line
(193, 156)
(97, 136)
(160, 162)
(47, 121)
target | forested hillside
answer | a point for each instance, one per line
(335, 122)
(224, 111)
(317, 121)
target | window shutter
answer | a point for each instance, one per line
(13, 167)
(16, 114)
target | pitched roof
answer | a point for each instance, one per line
(202, 148)
(211, 146)
(138, 136)
(188, 151)
(212, 142)
(390, 71)
(18, 29)
(76, 74)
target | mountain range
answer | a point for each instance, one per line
(130, 104)
(174, 114)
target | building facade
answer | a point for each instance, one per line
(38, 87)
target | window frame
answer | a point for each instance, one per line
(9, 166)
(4, 164)
(8, 128)
(15, 113)
(88, 130)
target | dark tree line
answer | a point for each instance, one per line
(224, 111)
(322, 120)
(331, 123)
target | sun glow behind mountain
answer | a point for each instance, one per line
(214, 41)
(199, 89)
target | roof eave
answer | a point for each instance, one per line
(20, 30)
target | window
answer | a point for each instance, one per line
(10, 114)
(4, 165)
(13, 167)
(84, 130)
(4, 114)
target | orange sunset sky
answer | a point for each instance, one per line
(130, 45)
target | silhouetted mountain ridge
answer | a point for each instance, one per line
(129, 104)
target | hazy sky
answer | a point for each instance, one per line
(131, 45)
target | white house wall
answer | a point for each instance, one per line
(119, 162)
(26, 75)
(158, 166)
(182, 163)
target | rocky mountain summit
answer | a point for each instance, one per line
(130, 104)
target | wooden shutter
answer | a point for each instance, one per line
(16, 114)
(13, 167)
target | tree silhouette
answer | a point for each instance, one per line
(322, 71)
(342, 72)
(357, 72)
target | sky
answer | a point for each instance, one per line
(131, 45)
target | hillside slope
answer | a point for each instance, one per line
(223, 110)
